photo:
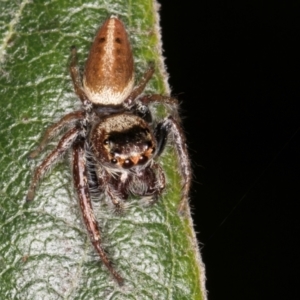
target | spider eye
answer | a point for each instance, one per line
(149, 145)
(127, 163)
(105, 142)
(142, 159)
(114, 161)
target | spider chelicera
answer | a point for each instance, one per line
(113, 139)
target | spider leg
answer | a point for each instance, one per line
(82, 188)
(115, 188)
(160, 178)
(63, 145)
(54, 130)
(156, 98)
(171, 125)
(75, 75)
(158, 184)
(116, 200)
(169, 102)
(140, 87)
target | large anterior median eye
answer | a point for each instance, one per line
(127, 164)
(143, 159)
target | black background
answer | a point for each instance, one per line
(235, 69)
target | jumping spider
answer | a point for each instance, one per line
(113, 140)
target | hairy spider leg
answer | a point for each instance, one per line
(118, 190)
(64, 144)
(161, 134)
(129, 101)
(162, 130)
(156, 98)
(117, 201)
(170, 102)
(76, 78)
(171, 126)
(69, 118)
(55, 129)
(82, 188)
(160, 184)
(161, 180)
(113, 187)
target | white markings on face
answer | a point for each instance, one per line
(123, 176)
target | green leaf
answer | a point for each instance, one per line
(45, 252)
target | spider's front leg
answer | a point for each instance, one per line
(114, 187)
(150, 183)
(82, 188)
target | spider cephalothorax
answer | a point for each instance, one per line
(122, 141)
(113, 140)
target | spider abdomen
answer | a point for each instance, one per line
(109, 73)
